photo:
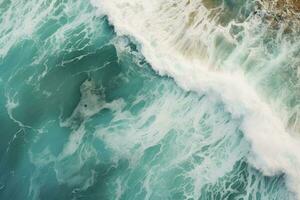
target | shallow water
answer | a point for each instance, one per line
(154, 100)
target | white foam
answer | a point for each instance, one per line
(170, 42)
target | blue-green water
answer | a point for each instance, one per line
(84, 116)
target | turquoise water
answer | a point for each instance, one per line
(84, 116)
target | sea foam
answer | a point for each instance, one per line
(176, 38)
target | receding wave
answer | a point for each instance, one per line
(246, 54)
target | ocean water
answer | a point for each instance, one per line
(137, 99)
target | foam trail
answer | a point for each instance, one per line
(175, 38)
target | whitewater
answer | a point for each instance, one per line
(138, 99)
(177, 39)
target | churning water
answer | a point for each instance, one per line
(140, 99)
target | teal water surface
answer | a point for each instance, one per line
(84, 116)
